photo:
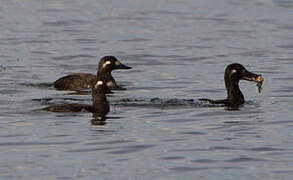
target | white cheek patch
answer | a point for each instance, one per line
(99, 83)
(233, 71)
(110, 84)
(117, 63)
(106, 63)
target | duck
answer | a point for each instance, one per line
(78, 81)
(100, 106)
(233, 74)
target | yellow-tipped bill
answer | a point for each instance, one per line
(259, 78)
(259, 81)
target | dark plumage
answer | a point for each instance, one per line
(75, 81)
(234, 73)
(100, 106)
(79, 81)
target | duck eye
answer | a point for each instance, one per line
(106, 63)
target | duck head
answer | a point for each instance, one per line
(109, 63)
(100, 87)
(234, 73)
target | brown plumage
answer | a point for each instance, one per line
(233, 74)
(79, 81)
(100, 106)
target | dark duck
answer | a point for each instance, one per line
(100, 106)
(79, 81)
(233, 74)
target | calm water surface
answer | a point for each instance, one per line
(178, 49)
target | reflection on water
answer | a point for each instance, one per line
(98, 121)
(157, 128)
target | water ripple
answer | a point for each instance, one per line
(72, 57)
(131, 149)
(182, 169)
(36, 143)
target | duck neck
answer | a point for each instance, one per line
(100, 103)
(104, 73)
(234, 95)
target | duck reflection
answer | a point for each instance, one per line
(98, 120)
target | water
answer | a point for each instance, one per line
(178, 49)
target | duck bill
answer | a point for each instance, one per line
(122, 66)
(249, 76)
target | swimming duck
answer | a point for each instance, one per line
(233, 73)
(100, 106)
(79, 81)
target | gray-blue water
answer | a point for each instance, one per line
(178, 49)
